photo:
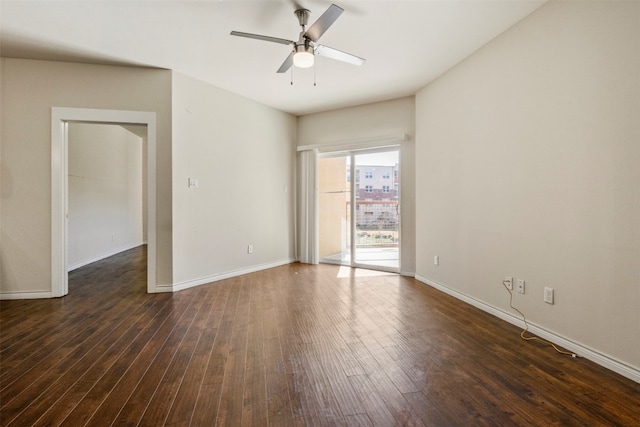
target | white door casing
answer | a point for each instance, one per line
(60, 117)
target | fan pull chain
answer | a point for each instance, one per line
(315, 67)
(291, 76)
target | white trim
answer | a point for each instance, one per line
(103, 256)
(59, 170)
(217, 277)
(357, 144)
(581, 350)
(25, 295)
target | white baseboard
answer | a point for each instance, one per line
(581, 350)
(26, 295)
(163, 288)
(103, 256)
(217, 277)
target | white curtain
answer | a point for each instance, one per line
(307, 223)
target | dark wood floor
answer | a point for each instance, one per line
(294, 345)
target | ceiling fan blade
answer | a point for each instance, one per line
(339, 55)
(286, 64)
(260, 37)
(324, 22)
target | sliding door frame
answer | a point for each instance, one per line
(353, 199)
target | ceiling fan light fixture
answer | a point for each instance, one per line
(306, 47)
(303, 57)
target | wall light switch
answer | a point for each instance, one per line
(193, 182)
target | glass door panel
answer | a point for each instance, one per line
(334, 201)
(377, 209)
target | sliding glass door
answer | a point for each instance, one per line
(359, 209)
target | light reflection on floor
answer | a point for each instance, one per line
(345, 272)
(375, 257)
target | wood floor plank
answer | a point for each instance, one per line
(375, 406)
(68, 389)
(279, 410)
(126, 374)
(208, 399)
(164, 397)
(183, 406)
(233, 386)
(255, 408)
(137, 403)
(44, 344)
(296, 345)
(159, 406)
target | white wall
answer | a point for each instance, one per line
(376, 120)
(29, 90)
(243, 155)
(105, 192)
(528, 164)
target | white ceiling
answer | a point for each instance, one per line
(406, 43)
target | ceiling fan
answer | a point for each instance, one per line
(306, 47)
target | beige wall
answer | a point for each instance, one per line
(243, 155)
(29, 90)
(376, 120)
(528, 157)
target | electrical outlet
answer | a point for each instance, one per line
(436, 260)
(250, 249)
(520, 286)
(548, 295)
(508, 282)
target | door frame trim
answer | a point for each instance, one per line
(60, 117)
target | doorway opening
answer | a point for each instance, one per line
(61, 119)
(359, 209)
(106, 191)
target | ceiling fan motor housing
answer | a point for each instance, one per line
(307, 46)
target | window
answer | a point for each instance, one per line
(368, 188)
(386, 175)
(385, 188)
(368, 174)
